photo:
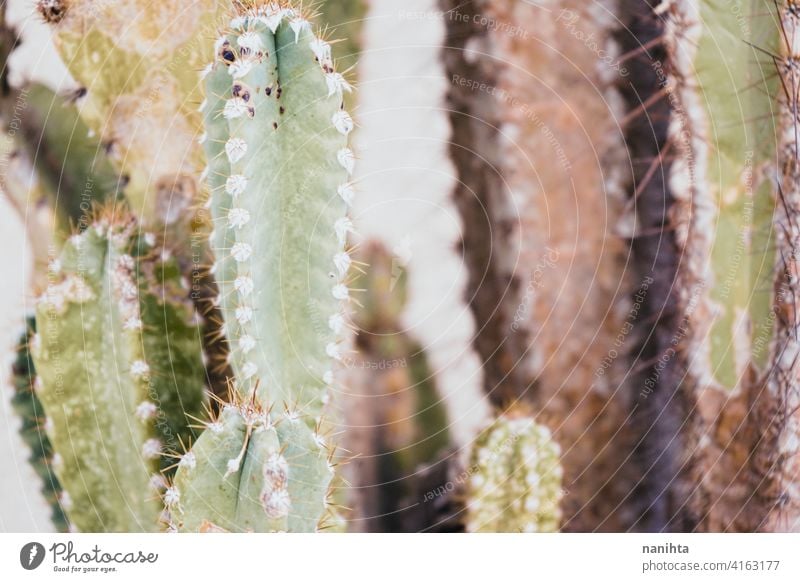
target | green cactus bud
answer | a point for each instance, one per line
(514, 479)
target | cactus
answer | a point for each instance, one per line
(29, 408)
(113, 321)
(71, 163)
(732, 215)
(535, 116)
(136, 61)
(278, 173)
(398, 422)
(514, 478)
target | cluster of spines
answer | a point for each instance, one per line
(252, 470)
(514, 479)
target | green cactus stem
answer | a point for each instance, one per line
(514, 479)
(72, 165)
(728, 231)
(115, 385)
(136, 61)
(397, 422)
(31, 413)
(276, 142)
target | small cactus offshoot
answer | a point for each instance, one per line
(514, 482)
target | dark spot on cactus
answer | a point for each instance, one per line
(242, 91)
(226, 54)
(280, 90)
(251, 112)
(268, 91)
(282, 110)
(108, 147)
(52, 11)
(327, 68)
(77, 94)
(274, 125)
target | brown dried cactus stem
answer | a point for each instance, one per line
(482, 203)
(659, 406)
(541, 177)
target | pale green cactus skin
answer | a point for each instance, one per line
(138, 62)
(110, 333)
(276, 213)
(276, 143)
(724, 182)
(247, 475)
(107, 456)
(514, 482)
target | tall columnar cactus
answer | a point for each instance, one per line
(778, 456)
(113, 327)
(397, 421)
(278, 173)
(514, 478)
(727, 216)
(542, 174)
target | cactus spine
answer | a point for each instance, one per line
(514, 482)
(276, 144)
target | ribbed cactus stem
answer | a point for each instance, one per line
(278, 156)
(120, 372)
(30, 411)
(94, 383)
(276, 142)
(514, 482)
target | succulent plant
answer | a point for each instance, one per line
(278, 172)
(209, 335)
(113, 328)
(29, 409)
(514, 478)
